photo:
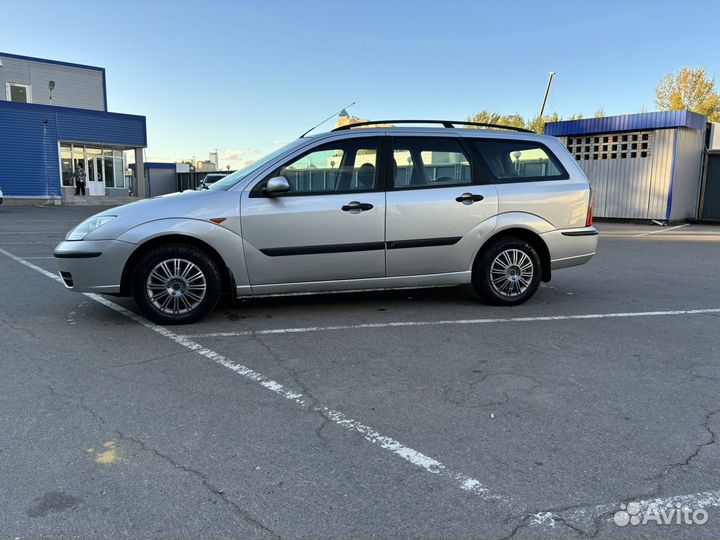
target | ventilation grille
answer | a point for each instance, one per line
(636, 145)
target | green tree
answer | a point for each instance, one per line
(488, 117)
(690, 89)
(537, 124)
(599, 113)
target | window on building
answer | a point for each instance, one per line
(109, 172)
(118, 169)
(19, 93)
(426, 162)
(66, 165)
(519, 160)
(109, 164)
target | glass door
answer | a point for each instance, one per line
(95, 179)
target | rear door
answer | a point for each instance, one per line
(330, 226)
(438, 211)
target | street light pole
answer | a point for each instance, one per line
(547, 91)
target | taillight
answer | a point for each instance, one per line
(591, 205)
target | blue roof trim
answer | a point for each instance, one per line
(48, 61)
(157, 165)
(55, 108)
(628, 122)
(83, 125)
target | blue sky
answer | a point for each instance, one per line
(244, 77)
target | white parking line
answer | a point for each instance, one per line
(410, 455)
(695, 501)
(663, 230)
(454, 321)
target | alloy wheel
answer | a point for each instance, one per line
(511, 272)
(176, 286)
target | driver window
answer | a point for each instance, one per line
(344, 166)
(429, 162)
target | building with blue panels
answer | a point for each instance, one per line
(641, 166)
(54, 118)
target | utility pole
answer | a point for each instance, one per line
(547, 91)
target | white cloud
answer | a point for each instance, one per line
(234, 155)
(163, 158)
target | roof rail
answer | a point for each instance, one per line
(445, 123)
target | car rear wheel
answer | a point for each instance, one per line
(176, 284)
(507, 272)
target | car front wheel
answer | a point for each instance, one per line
(176, 284)
(508, 272)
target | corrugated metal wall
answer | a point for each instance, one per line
(107, 128)
(77, 87)
(686, 176)
(639, 188)
(29, 135)
(29, 162)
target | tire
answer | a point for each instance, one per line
(176, 284)
(507, 272)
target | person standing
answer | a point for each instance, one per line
(79, 176)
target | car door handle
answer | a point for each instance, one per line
(355, 205)
(469, 198)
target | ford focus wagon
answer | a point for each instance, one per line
(374, 205)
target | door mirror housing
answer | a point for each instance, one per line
(276, 186)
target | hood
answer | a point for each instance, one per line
(190, 204)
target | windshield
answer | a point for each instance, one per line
(232, 179)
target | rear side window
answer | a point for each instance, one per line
(519, 161)
(425, 162)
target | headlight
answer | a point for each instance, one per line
(88, 226)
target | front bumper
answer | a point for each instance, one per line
(92, 266)
(571, 247)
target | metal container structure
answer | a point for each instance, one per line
(642, 166)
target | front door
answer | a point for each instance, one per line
(437, 214)
(330, 226)
(95, 179)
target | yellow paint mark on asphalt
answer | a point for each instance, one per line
(109, 456)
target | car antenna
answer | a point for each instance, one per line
(328, 118)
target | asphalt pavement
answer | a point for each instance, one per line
(413, 414)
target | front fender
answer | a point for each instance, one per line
(225, 242)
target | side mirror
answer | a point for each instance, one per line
(277, 186)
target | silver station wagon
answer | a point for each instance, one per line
(373, 205)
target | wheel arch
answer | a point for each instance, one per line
(228, 280)
(529, 236)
